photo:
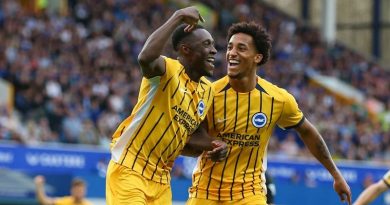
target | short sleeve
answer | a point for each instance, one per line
(292, 116)
(172, 67)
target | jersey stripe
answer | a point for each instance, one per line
(223, 172)
(240, 120)
(261, 171)
(120, 145)
(178, 85)
(234, 173)
(189, 104)
(166, 84)
(166, 148)
(185, 93)
(208, 97)
(224, 111)
(248, 108)
(210, 178)
(254, 170)
(154, 147)
(149, 140)
(272, 112)
(236, 114)
(147, 137)
(246, 169)
(261, 107)
(202, 166)
(176, 148)
(136, 135)
(213, 112)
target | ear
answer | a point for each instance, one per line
(258, 58)
(185, 49)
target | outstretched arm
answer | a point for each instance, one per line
(40, 191)
(150, 60)
(371, 193)
(316, 144)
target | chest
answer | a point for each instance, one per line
(245, 113)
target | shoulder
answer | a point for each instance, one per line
(205, 80)
(275, 91)
(172, 63)
(64, 199)
(172, 66)
(221, 84)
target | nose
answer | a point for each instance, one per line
(231, 52)
(213, 50)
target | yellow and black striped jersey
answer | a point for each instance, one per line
(169, 108)
(386, 178)
(245, 121)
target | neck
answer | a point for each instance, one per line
(245, 84)
(77, 200)
(194, 76)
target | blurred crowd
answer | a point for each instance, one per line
(76, 76)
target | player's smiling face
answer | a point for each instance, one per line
(242, 56)
(203, 52)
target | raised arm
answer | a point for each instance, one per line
(40, 191)
(150, 60)
(316, 144)
(371, 193)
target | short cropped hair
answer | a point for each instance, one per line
(261, 38)
(78, 182)
(179, 34)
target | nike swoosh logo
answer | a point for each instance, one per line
(184, 90)
(221, 120)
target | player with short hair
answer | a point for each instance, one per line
(77, 193)
(173, 100)
(245, 110)
(374, 190)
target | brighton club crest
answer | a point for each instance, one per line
(201, 108)
(259, 120)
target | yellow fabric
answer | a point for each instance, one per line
(386, 178)
(169, 108)
(68, 200)
(125, 186)
(251, 200)
(245, 121)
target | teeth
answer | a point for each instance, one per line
(211, 59)
(234, 61)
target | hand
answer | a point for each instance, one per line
(343, 190)
(39, 180)
(219, 152)
(190, 16)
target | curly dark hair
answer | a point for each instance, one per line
(260, 37)
(179, 34)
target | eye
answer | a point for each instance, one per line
(208, 43)
(242, 48)
(229, 47)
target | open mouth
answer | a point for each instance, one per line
(211, 61)
(233, 63)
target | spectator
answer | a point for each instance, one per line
(374, 190)
(88, 58)
(77, 193)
